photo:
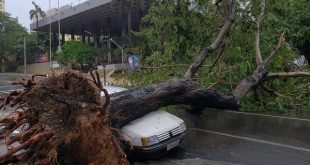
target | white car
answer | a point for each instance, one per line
(153, 134)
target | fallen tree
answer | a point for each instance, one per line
(74, 128)
(129, 105)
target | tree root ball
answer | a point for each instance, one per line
(60, 121)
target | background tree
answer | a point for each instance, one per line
(36, 13)
(75, 52)
(292, 18)
(11, 37)
(37, 44)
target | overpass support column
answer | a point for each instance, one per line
(72, 34)
(62, 38)
(83, 34)
(88, 40)
(72, 37)
(83, 37)
(95, 43)
(96, 32)
(54, 41)
(109, 50)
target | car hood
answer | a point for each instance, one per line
(154, 123)
(112, 89)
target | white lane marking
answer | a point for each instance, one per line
(199, 161)
(257, 114)
(253, 140)
(9, 91)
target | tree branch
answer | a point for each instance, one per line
(287, 75)
(217, 58)
(258, 20)
(192, 70)
(271, 91)
(275, 49)
(170, 66)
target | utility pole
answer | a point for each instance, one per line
(120, 48)
(59, 46)
(50, 34)
(109, 52)
(25, 58)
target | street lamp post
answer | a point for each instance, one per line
(58, 14)
(120, 48)
(108, 39)
(25, 58)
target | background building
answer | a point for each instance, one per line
(2, 5)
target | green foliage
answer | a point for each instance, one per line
(37, 43)
(291, 17)
(12, 40)
(176, 31)
(74, 52)
(10, 66)
(11, 36)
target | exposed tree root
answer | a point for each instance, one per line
(60, 121)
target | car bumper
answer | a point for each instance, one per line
(155, 150)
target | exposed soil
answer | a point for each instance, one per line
(61, 122)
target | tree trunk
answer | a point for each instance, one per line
(141, 13)
(130, 105)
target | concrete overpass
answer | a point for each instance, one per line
(107, 17)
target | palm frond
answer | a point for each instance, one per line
(32, 13)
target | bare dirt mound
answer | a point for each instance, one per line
(60, 121)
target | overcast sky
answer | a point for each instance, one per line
(21, 8)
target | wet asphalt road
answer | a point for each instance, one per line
(6, 80)
(229, 138)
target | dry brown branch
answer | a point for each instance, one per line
(38, 75)
(271, 91)
(104, 109)
(230, 14)
(257, 94)
(276, 48)
(170, 66)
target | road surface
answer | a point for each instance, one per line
(228, 137)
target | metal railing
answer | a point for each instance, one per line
(76, 2)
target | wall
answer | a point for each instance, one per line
(39, 68)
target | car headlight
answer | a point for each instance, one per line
(183, 126)
(149, 141)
